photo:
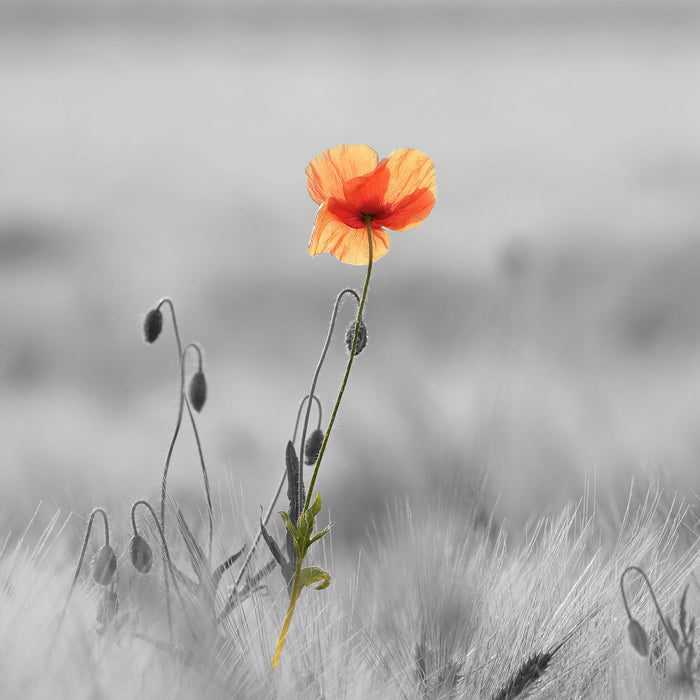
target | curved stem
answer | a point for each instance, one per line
(207, 491)
(636, 569)
(197, 349)
(324, 352)
(104, 519)
(200, 452)
(322, 451)
(178, 422)
(169, 564)
(81, 558)
(314, 379)
(280, 485)
(301, 406)
(171, 447)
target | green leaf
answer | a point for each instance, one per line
(313, 574)
(304, 532)
(315, 508)
(321, 534)
(291, 528)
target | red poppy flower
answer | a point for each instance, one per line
(350, 184)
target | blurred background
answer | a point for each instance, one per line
(541, 329)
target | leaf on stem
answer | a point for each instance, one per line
(313, 574)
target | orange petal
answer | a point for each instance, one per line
(368, 192)
(409, 212)
(349, 245)
(410, 170)
(328, 171)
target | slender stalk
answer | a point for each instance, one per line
(314, 380)
(293, 598)
(636, 569)
(81, 558)
(301, 406)
(310, 396)
(368, 222)
(169, 566)
(200, 452)
(178, 422)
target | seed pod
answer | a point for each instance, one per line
(313, 446)
(104, 565)
(198, 391)
(141, 554)
(638, 638)
(361, 337)
(152, 325)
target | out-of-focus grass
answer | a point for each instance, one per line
(541, 325)
(441, 606)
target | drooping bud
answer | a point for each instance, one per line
(198, 390)
(361, 337)
(638, 637)
(104, 565)
(152, 325)
(313, 446)
(141, 554)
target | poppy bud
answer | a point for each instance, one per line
(638, 638)
(198, 391)
(313, 446)
(152, 325)
(361, 337)
(141, 554)
(104, 565)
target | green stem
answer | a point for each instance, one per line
(321, 360)
(368, 222)
(293, 598)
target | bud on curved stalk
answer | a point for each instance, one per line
(197, 392)
(635, 631)
(313, 446)
(152, 325)
(141, 554)
(638, 637)
(104, 565)
(361, 337)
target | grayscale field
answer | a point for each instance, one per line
(533, 345)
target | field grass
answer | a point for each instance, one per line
(444, 605)
(521, 428)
